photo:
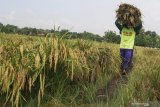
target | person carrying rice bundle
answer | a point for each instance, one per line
(129, 23)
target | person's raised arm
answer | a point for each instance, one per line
(138, 27)
(119, 26)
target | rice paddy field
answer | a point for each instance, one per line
(54, 72)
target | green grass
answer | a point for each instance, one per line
(52, 72)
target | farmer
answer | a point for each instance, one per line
(127, 44)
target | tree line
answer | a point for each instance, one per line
(12, 29)
(145, 38)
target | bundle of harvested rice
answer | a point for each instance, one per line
(128, 15)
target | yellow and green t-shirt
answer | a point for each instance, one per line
(127, 38)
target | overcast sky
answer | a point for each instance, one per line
(96, 16)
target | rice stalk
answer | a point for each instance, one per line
(37, 61)
(21, 50)
(1, 49)
(39, 98)
(56, 52)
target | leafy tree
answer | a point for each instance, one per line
(64, 31)
(1, 26)
(111, 36)
(25, 31)
(33, 31)
(147, 39)
(151, 33)
(10, 29)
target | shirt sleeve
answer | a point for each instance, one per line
(119, 26)
(138, 28)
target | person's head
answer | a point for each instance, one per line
(125, 25)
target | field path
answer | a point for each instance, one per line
(112, 85)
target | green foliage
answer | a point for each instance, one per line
(148, 39)
(47, 65)
(9, 29)
(69, 72)
(145, 38)
(1, 26)
(111, 36)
